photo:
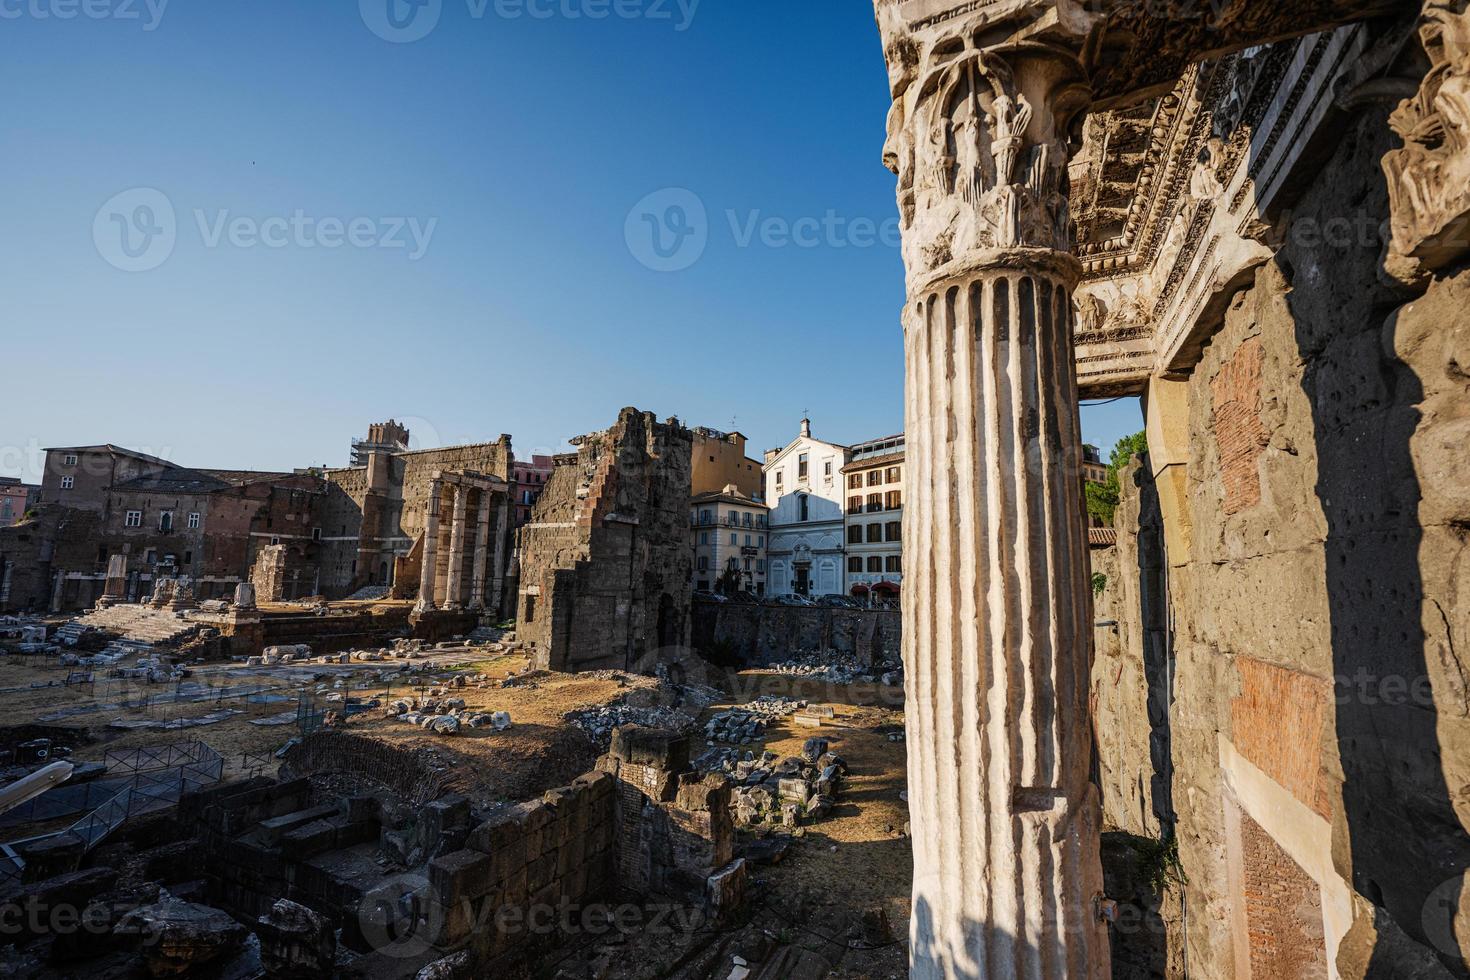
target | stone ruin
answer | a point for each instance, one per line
(605, 564)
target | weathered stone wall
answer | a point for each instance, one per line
(1318, 722)
(761, 635)
(605, 565)
(520, 867)
(374, 514)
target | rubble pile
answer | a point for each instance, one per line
(784, 793)
(746, 723)
(836, 668)
(445, 716)
(599, 723)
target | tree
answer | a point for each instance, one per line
(1102, 498)
(730, 581)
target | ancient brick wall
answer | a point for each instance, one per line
(1283, 910)
(503, 892)
(605, 564)
(1317, 594)
(367, 528)
(762, 634)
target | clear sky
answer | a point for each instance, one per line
(238, 232)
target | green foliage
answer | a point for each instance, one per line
(1159, 864)
(1102, 498)
(1099, 582)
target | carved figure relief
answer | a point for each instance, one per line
(1429, 179)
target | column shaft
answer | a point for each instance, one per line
(454, 577)
(482, 552)
(430, 551)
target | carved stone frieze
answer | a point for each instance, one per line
(1429, 178)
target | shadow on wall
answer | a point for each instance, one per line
(1408, 846)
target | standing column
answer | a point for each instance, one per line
(482, 553)
(454, 577)
(996, 606)
(430, 551)
(502, 538)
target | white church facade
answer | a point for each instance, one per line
(804, 487)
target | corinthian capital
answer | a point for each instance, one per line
(985, 98)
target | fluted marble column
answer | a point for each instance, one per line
(996, 603)
(454, 576)
(482, 553)
(430, 551)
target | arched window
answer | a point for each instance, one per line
(805, 508)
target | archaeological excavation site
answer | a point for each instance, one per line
(937, 687)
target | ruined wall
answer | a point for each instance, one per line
(368, 525)
(605, 565)
(761, 635)
(518, 868)
(1318, 718)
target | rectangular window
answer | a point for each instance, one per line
(316, 534)
(875, 534)
(734, 539)
(895, 499)
(760, 566)
(69, 460)
(855, 534)
(747, 541)
(894, 564)
(801, 466)
(827, 469)
(67, 482)
(855, 481)
(530, 609)
(895, 474)
(134, 519)
(704, 537)
(760, 540)
(895, 531)
(875, 477)
(875, 503)
(855, 505)
(194, 522)
(875, 564)
(150, 557)
(780, 475)
(703, 563)
(188, 558)
(855, 565)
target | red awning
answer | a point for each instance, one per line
(859, 590)
(886, 587)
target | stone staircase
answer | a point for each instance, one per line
(140, 623)
(370, 593)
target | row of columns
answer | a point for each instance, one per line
(488, 529)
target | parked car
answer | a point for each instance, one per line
(708, 596)
(791, 599)
(836, 601)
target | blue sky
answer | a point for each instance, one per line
(327, 228)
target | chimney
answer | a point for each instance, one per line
(806, 428)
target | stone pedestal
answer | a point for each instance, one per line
(996, 603)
